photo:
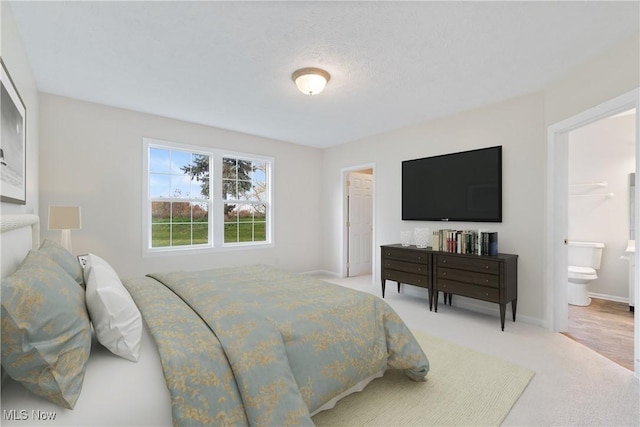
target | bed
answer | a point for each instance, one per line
(231, 346)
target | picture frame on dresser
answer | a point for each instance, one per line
(13, 142)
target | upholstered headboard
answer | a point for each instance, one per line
(19, 233)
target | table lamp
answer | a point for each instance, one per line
(65, 218)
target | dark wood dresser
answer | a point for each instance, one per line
(487, 278)
(407, 264)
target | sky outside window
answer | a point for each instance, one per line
(167, 178)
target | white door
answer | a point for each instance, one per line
(359, 223)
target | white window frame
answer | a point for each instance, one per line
(216, 202)
(252, 158)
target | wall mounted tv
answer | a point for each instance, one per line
(465, 186)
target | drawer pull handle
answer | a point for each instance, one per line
(486, 280)
(444, 261)
(444, 274)
(486, 266)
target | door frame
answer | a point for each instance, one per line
(344, 249)
(556, 310)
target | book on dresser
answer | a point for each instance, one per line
(477, 242)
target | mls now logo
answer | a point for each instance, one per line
(23, 415)
(14, 414)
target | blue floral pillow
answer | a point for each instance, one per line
(46, 334)
(64, 258)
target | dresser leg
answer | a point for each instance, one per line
(429, 293)
(383, 283)
(513, 308)
(398, 287)
(503, 309)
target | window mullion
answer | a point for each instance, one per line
(217, 204)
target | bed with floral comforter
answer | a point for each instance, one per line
(258, 346)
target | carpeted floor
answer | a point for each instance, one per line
(463, 388)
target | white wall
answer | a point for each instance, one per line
(517, 125)
(606, 76)
(15, 59)
(520, 125)
(603, 151)
(91, 156)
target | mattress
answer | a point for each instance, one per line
(115, 392)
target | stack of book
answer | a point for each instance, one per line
(476, 242)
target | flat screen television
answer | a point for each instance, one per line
(465, 186)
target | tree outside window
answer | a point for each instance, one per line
(180, 198)
(244, 187)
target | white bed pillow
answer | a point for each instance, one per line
(116, 318)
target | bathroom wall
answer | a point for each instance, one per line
(603, 151)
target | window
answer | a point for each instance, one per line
(244, 184)
(203, 198)
(179, 197)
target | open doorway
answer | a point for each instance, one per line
(601, 161)
(358, 220)
(556, 290)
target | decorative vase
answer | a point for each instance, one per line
(421, 236)
(405, 238)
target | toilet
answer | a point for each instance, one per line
(584, 260)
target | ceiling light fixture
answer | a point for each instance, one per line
(310, 81)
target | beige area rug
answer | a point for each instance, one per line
(463, 388)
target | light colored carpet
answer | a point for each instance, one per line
(463, 388)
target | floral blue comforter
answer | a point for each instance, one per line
(259, 346)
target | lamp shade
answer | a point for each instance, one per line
(64, 218)
(310, 81)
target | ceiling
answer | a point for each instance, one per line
(392, 64)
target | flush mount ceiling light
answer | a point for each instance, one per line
(310, 81)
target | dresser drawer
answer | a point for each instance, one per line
(406, 255)
(488, 278)
(467, 290)
(465, 276)
(480, 265)
(408, 267)
(408, 278)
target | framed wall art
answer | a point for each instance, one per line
(13, 145)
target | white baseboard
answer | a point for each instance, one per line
(483, 307)
(320, 272)
(608, 297)
(491, 309)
